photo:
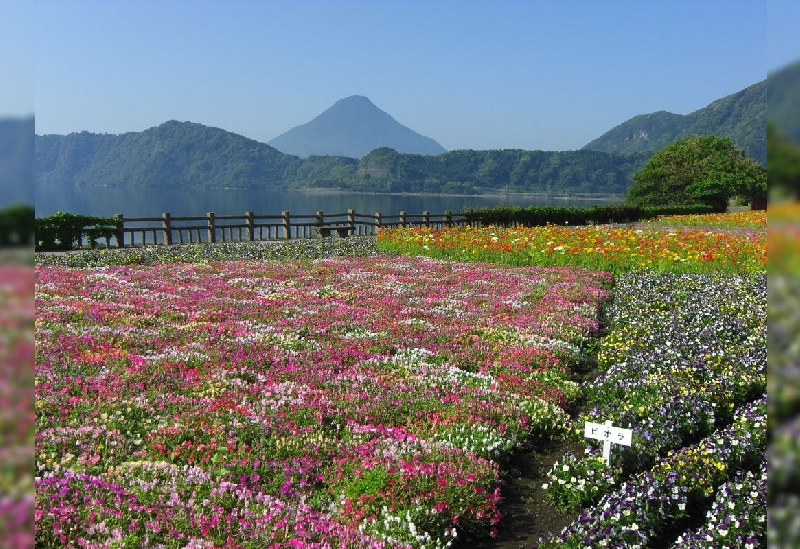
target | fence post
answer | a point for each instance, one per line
(250, 225)
(120, 231)
(448, 218)
(426, 218)
(351, 220)
(165, 219)
(319, 217)
(287, 226)
(212, 230)
(402, 219)
(378, 221)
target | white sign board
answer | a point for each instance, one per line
(608, 434)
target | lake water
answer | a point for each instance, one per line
(107, 201)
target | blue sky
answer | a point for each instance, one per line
(16, 59)
(489, 74)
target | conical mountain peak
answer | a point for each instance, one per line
(353, 126)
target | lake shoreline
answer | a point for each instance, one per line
(605, 198)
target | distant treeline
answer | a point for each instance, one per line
(187, 155)
(514, 170)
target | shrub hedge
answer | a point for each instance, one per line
(533, 216)
(66, 231)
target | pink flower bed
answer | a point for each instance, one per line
(359, 402)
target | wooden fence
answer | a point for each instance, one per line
(168, 229)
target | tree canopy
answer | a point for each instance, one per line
(699, 170)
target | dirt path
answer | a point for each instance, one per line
(526, 516)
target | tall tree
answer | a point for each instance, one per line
(699, 170)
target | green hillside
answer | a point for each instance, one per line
(742, 116)
(189, 155)
(174, 154)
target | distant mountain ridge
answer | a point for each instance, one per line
(741, 116)
(353, 127)
(190, 155)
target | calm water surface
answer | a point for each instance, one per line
(153, 202)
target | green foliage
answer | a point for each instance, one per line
(369, 483)
(66, 231)
(16, 225)
(698, 170)
(539, 216)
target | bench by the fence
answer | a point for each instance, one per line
(343, 230)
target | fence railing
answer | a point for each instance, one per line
(169, 229)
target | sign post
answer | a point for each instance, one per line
(608, 434)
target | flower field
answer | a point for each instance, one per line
(615, 249)
(342, 401)
(375, 400)
(753, 219)
(684, 366)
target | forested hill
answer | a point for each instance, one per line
(174, 154)
(741, 116)
(516, 170)
(190, 155)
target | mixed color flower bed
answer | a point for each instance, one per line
(258, 395)
(684, 365)
(349, 401)
(615, 249)
(753, 219)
